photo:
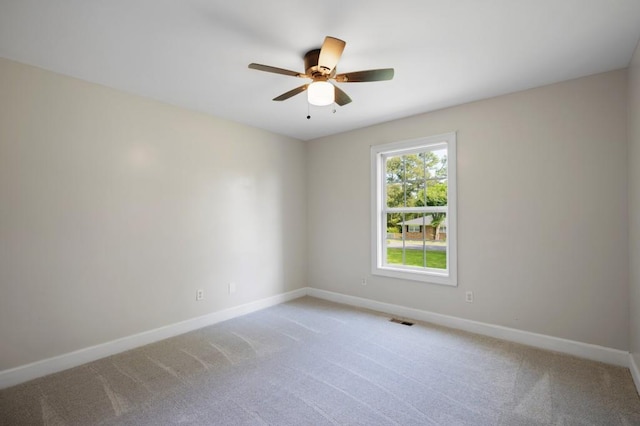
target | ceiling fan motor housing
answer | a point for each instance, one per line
(311, 64)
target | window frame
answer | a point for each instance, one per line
(379, 153)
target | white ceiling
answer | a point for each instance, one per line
(194, 53)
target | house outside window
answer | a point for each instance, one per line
(414, 228)
(414, 209)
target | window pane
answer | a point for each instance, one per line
(437, 193)
(414, 178)
(394, 173)
(395, 194)
(417, 240)
(436, 163)
(394, 226)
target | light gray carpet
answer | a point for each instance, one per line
(311, 362)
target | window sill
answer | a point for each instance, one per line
(416, 275)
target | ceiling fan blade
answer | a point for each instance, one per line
(291, 93)
(330, 54)
(341, 97)
(275, 70)
(364, 76)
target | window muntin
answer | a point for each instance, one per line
(413, 192)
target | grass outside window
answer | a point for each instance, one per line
(435, 259)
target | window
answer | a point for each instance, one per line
(414, 209)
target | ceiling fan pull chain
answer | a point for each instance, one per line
(308, 112)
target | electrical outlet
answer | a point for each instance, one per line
(468, 297)
(232, 288)
(199, 294)
(364, 281)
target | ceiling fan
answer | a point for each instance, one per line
(320, 66)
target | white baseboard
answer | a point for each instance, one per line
(635, 372)
(571, 347)
(47, 366)
(37, 369)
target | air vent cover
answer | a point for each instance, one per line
(399, 321)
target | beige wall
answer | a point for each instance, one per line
(114, 209)
(634, 201)
(544, 169)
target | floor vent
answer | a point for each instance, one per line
(399, 321)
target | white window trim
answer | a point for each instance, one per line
(378, 182)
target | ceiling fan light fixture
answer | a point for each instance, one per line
(321, 93)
